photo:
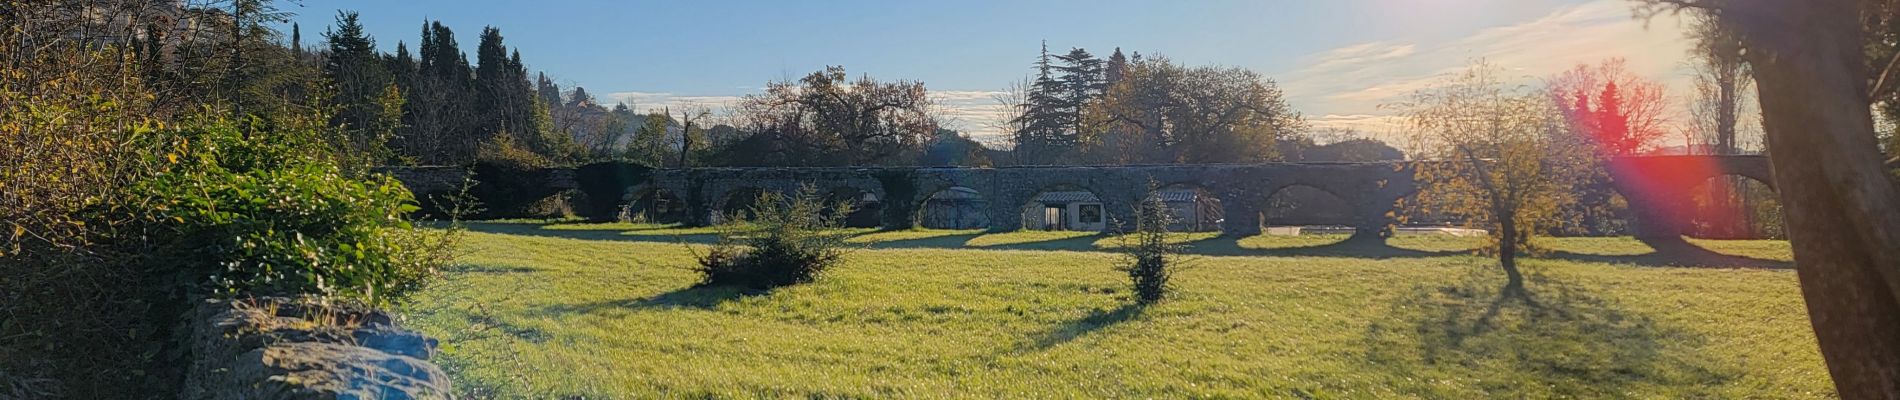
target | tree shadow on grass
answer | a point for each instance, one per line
(1227, 245)
(1094, 321)
(487, 269)
(1556, 340)
(955, 241)
(1684, 255)
(696, 297)
(1077, 243)
(626, 235)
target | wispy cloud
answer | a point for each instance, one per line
(973, 112)
(654, 101)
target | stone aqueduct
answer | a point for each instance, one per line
(1371, 189)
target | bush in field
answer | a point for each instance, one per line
(236, 209)
(786, 241)
(1149, 254)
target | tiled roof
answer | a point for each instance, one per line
(1067, 197)
(1177, 196)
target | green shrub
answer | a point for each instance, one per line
(237, 211)
(785, 241)
(1150, 255)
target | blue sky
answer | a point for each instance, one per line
(1337, 60)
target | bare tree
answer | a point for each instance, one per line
(1010, 103)
(690, 114)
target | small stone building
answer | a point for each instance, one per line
(1065, 211)
(1191, 211)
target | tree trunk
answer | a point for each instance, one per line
(1507, 254)
(1841, 209)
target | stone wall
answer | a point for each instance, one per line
(1370, 190)
(298, 349)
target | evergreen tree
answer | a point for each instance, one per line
(1082, 83)
(1082, 77)
(1043, 137)
(506, 101)
(1117, 67)
(650, 147)
(437, 127)
(356, 72)
(402, 67)
(550, 93)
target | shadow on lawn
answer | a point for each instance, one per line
(1681, 256)
(624, 235)
(1077, 243)
(1686, 255)
(692, 297)
(1557, 340)
(1230, 246)
(953, 241)
(1096, 320)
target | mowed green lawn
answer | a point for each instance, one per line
(611, 311)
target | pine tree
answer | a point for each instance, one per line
(1117, 67)
(1082, 83)
(356, 72)
(402, 67)
(1043, 138)
(1082, 76)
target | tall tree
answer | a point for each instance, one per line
(1083, 82)
(1117, 68)
(845, 121)
(1044, 136)
(1813, 77)
(1175, 114)
(438, 125)
(360, 84)
(649, 146)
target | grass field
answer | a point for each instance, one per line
(610, 311)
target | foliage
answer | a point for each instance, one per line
(1047, 128)
(229, 211)
(369, 102)
(650, 147)
(1151, 255)
(1162, 112)
(1494, 157)
(784, 241)
(70, 329)
(841, 121)
(112, 210)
